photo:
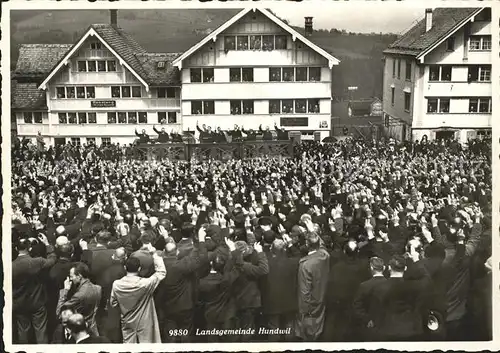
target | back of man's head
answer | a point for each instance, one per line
(132, 265)
(24, 245)
(147, 237)
(65, 251)
(103, 237)
(313, 241)
(120, 254)
(76, 324)
(278, 246)
(377, 265)
(187, 230)
(397, 264)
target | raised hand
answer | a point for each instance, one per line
(230, 244)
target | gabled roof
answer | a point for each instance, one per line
(37, 60)
(295, 34)
(117, 41)
(27, 96)
(168, 75)
(445, 21)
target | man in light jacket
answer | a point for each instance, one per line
(134, 295)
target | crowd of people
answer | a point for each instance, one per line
(208, 135)
(347, 241)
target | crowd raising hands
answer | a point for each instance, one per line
(350, 241)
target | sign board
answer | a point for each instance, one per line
(352, 88)
(103, 104)
(294, 121)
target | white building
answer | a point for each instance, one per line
(253, 70)
(437, 76)
(98, 90)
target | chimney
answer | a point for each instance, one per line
(428, 19)
(114, 17)
(308, 26)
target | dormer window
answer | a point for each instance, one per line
(161, 65)
(96, 45)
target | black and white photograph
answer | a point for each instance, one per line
(268, 173)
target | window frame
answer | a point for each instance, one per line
(393, 94)
(450, 44)
(480, 40)
(408, 69)
(169, 118)
(141, 116)
(28, 117)
(407, 107)
(310, 75)
(439, 101)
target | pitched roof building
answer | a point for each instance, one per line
(438, 75)
(108, 85)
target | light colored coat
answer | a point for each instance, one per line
(134, 296)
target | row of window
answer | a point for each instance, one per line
(32, 117)
(76, 141)
(255, 42)
(408, 69)
(476, 73)
(276, 74)
(96, 65)
(140, 117)
(276, 106)
(75, 92)
(77, 118)
(70, 92)
(442, 105)
(113, 118)
(480, 43)
(481, 73)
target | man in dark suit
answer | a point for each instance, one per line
(345, 277)
(99, 257)
(62, 335)
(175, 294)
(29, 292)
(81, 294)
(163, 136)
(78, 328)
(246, 289)
(367, 302)
(402, 300)
(57, 274)
(215, 291)
(108, 317)
(279, 289)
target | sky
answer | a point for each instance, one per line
(388, 19)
